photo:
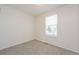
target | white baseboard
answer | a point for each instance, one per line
(15, 44)
(59, 46)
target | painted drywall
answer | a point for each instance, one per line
(67, 28)
(16, 26)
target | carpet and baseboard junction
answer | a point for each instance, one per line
(35, 47)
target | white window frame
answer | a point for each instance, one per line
(53, 33)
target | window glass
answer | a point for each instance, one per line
(51, 25)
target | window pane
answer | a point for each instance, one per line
(51, 20)
(51, 25)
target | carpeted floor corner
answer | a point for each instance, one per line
(35, 47)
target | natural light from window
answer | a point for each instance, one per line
(51, 25)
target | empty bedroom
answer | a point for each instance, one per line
(39, 29)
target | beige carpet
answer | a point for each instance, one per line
(35, 47)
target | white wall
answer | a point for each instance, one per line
(15, 26)
(67, 28)
(18, 27)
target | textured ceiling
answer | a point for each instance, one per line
(36, 9)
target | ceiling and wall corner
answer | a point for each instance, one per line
(35, 9)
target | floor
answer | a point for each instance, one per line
(35, 47)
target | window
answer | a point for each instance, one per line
(51, 25)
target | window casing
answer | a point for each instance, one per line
(51, 25)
